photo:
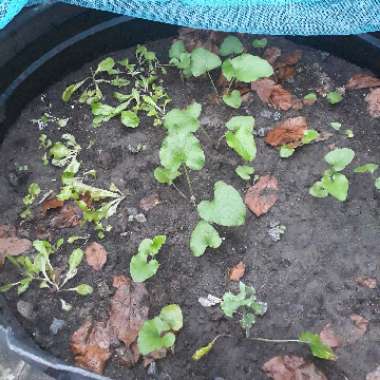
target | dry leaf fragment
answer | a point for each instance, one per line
(13, 246)
(367, 282)
(155, 355)
(359, 81)
(119, 280)
(292, 368)
(329, 337)
(361, 325)
(262, 195)
(96, 255)
(69, 216)
(290, 59)
(289, 131)
(50, 204)
(374, 375)
(271, 54)
(128, 356)
(129, 310)
(237, 272)
(286, 72)
(7, 231)
(373, 100)
(91, 345)
(150, 202)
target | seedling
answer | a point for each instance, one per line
(33, 192)
(159, 333)
(334, 97)
(260, 43)
(180, 148)
(333, 182)
(143, 265)
(231, 45)
(46, 118)
(244, 172)
(309, 136)
(40, 269)
(311, 97)
(226, 209)
(369, 168)
(233, 99)
(245, 302)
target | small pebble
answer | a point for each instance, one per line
(26, 310)
(141, 218)
(56, 326)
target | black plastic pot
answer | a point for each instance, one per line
(44, 44)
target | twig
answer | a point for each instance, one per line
(192, 197)
(276, 340)
(206, 134)
(182, 194)
(213, 84)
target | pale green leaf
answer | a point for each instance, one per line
(176, 49)
(202, 351)
(172, 315)
(337, 185)
(166, 176)
(286, 151)
(84, 289)
(130, 119)
(141, 269)
(203, 61)
(334, 97)
(203, 236)
(312, 96)
(318, 190)
(183, 121)
(228, 70)
(226, 209)
(75, 259)
(244, 172)
(106, 65)
(339, 158)
(336, 125)
(367, 168)
(233, 99)
(309, 136)
(259, 43)
(231, 45)
(318, 348)
(70, 90)
(248, 68)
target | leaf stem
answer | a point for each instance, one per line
(276, 340)
(192, 196)
(180, 192)
(213, 84)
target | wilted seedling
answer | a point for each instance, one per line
(143, 265)
(159, 333)
(46, 118)
(333, 182)
(40, 269)
(33, 192)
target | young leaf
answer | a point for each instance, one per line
(233, 99)
(106, 65)
(286, 151)
(231, 45)
(339, 158)
(203, 236)
(226, 209)
(317, 347)
(336, 125)
(311, 97)
(228, 70)
(248, 68)
(141, 269)
(84, 289)
(130, 119)
(318, 190)
(334, 97)
(240, 136)
(164, 175)
(247, 321)
(203, 61)
(377, 183)
(349, 133)
(183, 121)
(172, 315)
(203, 351)
(24, 285)
(244, 172)
(260, 43)
(367, 168)
(75, 259)
(70, 90)
(309, 136)
(337, 185)
(176, 49)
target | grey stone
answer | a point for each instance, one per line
(141, 218)
(26, 310)
(56, 326)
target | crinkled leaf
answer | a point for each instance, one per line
(248, 68)
(203, 236)
(203, 61)
(317, 347)
(339, 158)
(318, 190)
(106, 65)
(367, 168)
(226, 209)
(244, 172)
(337, 185)
(183, 121)
(231, 45)
(233, 99)
(130, 119)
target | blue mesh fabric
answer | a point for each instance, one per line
(291, 17)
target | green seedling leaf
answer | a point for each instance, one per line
(317, 347)
(240, 136)
(6, 287)
(203, 351)
(203, 61)
(349, 133)
(33, 192)
(318, 190)
(75, 259)
(334, 97)
(106, 65)
(70, 90)
(120, 82)
(172, 315)
(83, 289)
(176, 49)
(231, 45)
(24, 285)
(244, 172)
(183, 121)
(156, 333)
(248, 68)
(228, 70)
(309, 136)
(367, 168)
(339, 158)
(286, 151)
(233, 99)
(336, 125)
(311, 97)
(226, 209)
(203, 236)
(260, 43)
(130, 119)
(377, 183)
(165, 176)
(157, 242)
(337, 185)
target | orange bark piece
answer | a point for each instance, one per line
(237, 272)
(360, 81)
(13, 246)
(367, 282)
(373, 100)
(329, 337)
(96, 256)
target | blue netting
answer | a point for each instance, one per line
(303, 17)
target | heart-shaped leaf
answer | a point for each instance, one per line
(248, 68)
(203, 236)
(318, 190)
(244, 172)
(141, 269)
(337, 185)
(233, 99)
(339, 158)
(130, 119)
(203, 61)
(226, 209)
(231, 45)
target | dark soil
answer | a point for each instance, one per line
(307, 278)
